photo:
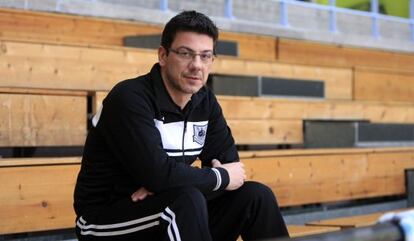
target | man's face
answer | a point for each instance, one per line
(184, 73)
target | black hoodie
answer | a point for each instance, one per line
(141, 138)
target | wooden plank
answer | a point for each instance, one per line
(69, 28)
(384, 85)
(322, 151)
(302, 230)
(13, 90)
(298, 180)
(352, 221)
(42, 120)
(266, 131)
(42, 68)
(338, 81)
(252, 46)
(271, 108)
(247, 131)
(38, 161)
(312, 53)
(81, 68)
(37, 198)
(72, 29)
(349, 222)
(275, 121)
(261, 108)
(27, 204)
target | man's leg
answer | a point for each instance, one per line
(251, 211)
(179, 214)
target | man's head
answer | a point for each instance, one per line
(188, 21)
(186, 54)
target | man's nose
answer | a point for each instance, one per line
(196, 62)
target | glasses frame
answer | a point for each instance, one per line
(189, 54)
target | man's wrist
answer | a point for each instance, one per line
(223, 178)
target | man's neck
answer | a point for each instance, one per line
(180, 100)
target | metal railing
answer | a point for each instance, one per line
(331, 9)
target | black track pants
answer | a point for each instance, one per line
(185, 215)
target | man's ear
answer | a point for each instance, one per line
(162, 55)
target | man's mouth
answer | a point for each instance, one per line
(192, 77)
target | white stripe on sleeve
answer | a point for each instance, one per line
(218, 175)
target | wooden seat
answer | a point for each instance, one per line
(351, 222)
(303, 230)
(70, 29)
(277, 121)
(77, 30)
(37, 194)
(384, 85)
(299, 177)
(48, 70)
(260, 108)
(299, 51)
(100, 68)
(35, 117)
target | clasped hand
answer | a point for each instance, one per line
(235, 170)
(236, 173)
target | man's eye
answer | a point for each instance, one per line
(206, 56)
(185, 54)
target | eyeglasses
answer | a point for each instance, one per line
(188, 54)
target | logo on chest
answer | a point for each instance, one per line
(200, 132)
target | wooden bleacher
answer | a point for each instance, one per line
(305, 176)
(39, 117)
(37, 192)
(78, 30)
(311, 53)
(351, 222)
(274, 121)
(99, 68)
(335, 65)
(48, 71)
(383, 84)
(300, 230)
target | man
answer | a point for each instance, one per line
(136, 181)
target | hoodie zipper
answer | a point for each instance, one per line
(185, 118)
(184, 131)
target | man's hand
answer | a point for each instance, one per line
(236, 173)
(140, 194)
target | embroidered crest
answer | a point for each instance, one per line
(200, 132)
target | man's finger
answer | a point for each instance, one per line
(141, 194)
(215, 163)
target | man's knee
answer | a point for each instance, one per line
(255, 191)
(191, 198)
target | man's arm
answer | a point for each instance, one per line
(236, 173)
(220, 150)
(127, 125)
(219, 142)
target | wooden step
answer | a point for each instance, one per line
(352, 221)
(312, 53)
(42, 118)
(303, 230)
(37, 194)
(32, 65)
(300, 177)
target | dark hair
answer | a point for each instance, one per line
(188, 21)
